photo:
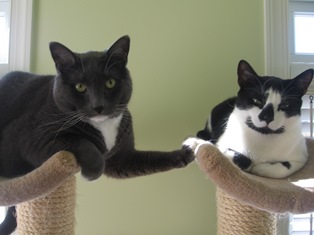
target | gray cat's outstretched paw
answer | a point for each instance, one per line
(194, 144)
(185, 157)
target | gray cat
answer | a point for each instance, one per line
(82, 110)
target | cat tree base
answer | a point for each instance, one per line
(237, 218)
(44, 198)
(53, 214)
(248, 204)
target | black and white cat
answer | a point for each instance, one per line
(260, 129)
(82, 110)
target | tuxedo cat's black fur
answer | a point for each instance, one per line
(260, 129)
(82, 110)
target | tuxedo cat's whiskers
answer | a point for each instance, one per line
(265, 84)
(263, 133)
(288, 88)
(255, 90)
(261, 85)
(290, 97)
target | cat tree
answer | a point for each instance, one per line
(45, 197)
(247, 204)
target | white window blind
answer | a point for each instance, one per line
(5, 11)
(302, 224)
(301, 50)
(307, 115)
(15, 38)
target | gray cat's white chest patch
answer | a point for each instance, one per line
(109, 129)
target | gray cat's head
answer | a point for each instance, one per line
(96, 85)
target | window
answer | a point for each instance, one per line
(15, 24)
(301, 50)
(288, 27)
(301, 21)
(15, 31)
(303, 36)
(5, 35)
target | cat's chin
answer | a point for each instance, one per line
(99, 118)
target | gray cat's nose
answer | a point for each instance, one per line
(99, 109)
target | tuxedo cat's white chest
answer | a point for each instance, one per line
(109, 128)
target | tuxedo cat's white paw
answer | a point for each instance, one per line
(194, 144)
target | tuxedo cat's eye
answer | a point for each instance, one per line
(110, 83)
(283, 106)
(80, 87)
(257, 102)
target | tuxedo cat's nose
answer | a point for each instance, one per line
(267, 114)
(98, 109)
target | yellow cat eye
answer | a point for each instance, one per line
(80, 87)
(110, 83)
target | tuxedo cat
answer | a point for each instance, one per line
(83, 109)
(260, 129)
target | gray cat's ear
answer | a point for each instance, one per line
(303, 80)
(118, 52)
(62, 56)
(245, 72)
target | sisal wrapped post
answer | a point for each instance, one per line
(237, 218)
(53, 214)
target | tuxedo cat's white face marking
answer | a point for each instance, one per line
(108, 127)
(268, 119)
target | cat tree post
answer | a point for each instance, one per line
(247, 204)
(45, 197)
(237, 218)
(51, 214)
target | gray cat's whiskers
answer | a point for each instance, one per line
(256, 148)
(70, 121)
(70, 116)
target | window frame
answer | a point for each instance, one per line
(278, 58)
(20, 35)
(6, 13)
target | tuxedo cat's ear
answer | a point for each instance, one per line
(303, 80)
(62, 56)
(118, 52)
(245, 72)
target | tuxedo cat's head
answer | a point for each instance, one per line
(96, 85)
(269, 104)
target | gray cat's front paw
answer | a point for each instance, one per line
(184, 157)
(194, 144)
(92, 172)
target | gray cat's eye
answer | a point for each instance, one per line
(80, 87)
(110, 83)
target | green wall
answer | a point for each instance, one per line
(183, 61)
